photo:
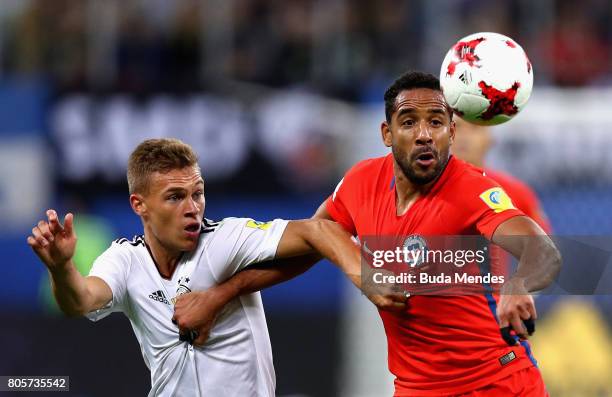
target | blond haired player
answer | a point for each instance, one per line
(181, 251)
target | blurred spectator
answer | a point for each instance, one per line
(255, 42)
(575, 51)
(182, 58)
(49, 39)
(139, 52)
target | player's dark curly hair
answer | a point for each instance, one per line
(408, 81)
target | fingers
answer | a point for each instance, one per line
(392, 303)
(68, 220)
(400, 297)
(507, 336)
(188, 336)
(54, 224)
(45, 231)
(520, 321)
(32, 242)
(530, 325)
(201, 339)
(516, 322)
(533, 313)
(38, 236)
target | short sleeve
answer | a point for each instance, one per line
(112, 267)
(337, 207)
(484, 204)
(239, 242)
(488, 205)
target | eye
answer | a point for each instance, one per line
(198, 195)
(436, 122)
(408, 123)
(174, 197)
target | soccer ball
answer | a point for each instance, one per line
(486, 78)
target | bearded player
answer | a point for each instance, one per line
(439, 345)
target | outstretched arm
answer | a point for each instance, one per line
(539, 264)
(198, 310)
(55, 244)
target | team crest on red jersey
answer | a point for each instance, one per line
(416, 247)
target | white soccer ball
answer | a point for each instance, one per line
(486, 78)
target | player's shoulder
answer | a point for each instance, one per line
(509, 182)
(126, 246)
(122, 250)
(471, 177)
(368, 174)
(370, 166)
(231, 225)
(212, 226)
(477, 188)
(470, 181)
(124, 243)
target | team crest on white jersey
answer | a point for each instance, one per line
(183, 287)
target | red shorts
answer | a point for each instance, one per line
(524, 383)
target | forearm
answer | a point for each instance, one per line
(334, 243)
(70, 290)
(263, 275)
(266, 274)
(539, 263)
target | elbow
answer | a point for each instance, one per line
(554, 262)
(73, 311)
(316, 228)
(557, 262)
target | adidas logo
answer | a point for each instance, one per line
(159, 296)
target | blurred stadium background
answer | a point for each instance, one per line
(279, 98)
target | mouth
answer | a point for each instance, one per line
(193, 229)
(425, 159)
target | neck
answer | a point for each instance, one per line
(478, 163)
(406, 192)
(165, 259)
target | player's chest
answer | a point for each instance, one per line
(151, 294)
(426, 216)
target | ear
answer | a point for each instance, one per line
(138, 205)
(385, 132)
(453, 128)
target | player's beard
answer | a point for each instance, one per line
(419, 178)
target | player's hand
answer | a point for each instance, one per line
(53, 243)
(516, 311)
(388, 297)
(392, 301)
(195, 314)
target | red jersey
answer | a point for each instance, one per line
(440, 344)
(522, 196)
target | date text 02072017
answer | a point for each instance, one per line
(34, 383)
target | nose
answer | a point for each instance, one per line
(423, 134)
(193, 207)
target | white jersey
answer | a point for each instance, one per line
(237, 358)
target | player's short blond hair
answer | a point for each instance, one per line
(157, 155)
